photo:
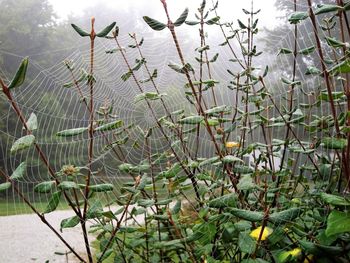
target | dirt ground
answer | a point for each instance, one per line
(24, 239)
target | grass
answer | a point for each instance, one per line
(16, 207)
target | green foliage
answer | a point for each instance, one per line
(154, 24)
(20, 75)
(22, 143)
(233, 198)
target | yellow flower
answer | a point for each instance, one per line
(256, 233)
(232, 144)
(294, 253)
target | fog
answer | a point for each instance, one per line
(228, 9)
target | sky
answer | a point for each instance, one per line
(228, 9)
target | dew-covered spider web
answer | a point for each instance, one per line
(58, 107)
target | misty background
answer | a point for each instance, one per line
(40, 29)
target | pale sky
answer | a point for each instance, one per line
(229, 10)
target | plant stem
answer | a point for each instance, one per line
(91, 139)
(326, 76)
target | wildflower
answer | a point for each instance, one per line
(256, 233)
(232, 145)
(70, 170)
(294, 253)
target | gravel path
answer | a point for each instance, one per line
(24, 238)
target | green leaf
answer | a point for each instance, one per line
(231, 159)
(125, 167)
(207, 231)
(337, 223)
(80, 31)
(67, 185)
(209, 161)
(307, 51)
(177, 208)
(139, 63)
(241, 25)
(149, 96)
(101, 187)
(331, 41)
(20, 75)
(285, 51)
(245, 183)
(214, 58)
(297, 17)
(203, 5)
(337, 96)
(44, 187)
(202, 49)
(289, 256)
(71, 132)
(154, 24)
(192, 23)
(334, 143)
(105, 255)
(256, 260)
(217, 110)
(5, 186)
(19, 172)
(110, 126)
(22, 143)
(246, 243)
(32, 122)
(114, 50)
(252, 216)
(106, 30)
(191, 120)
(126, 76)
(213, 20)
(284, 216)
(242, 169)
(69, 222)
(182, 18)
(334, 199)
(179, 68)
(145, 202)
(53, 202)
(319, 250)
(289, 82)
(342, 67)
(83, 76)
(322, 9)
(153, 76)
(312, 71)
(228, 200)
(95, 210)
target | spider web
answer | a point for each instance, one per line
(61, 108)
